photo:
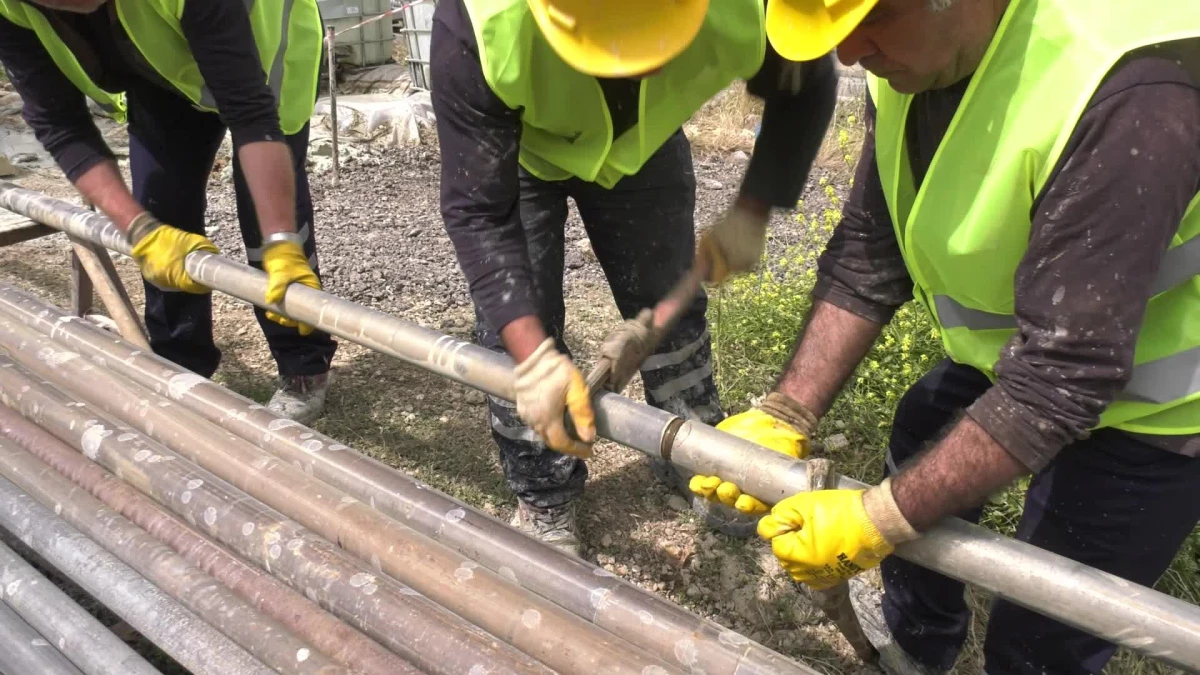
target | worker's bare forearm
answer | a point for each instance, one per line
(267, 166)
(834, 342)
(522, 336)
(103, 186)
(958, 474)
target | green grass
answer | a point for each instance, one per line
(755, 320)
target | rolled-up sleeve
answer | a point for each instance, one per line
(222, 42)
(479, 138)
(861, 269)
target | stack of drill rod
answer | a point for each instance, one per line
(240, 542)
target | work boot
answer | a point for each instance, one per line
(300, 397)
(554, 525)
(867, 601)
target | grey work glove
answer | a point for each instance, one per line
(627, 347)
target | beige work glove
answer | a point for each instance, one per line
(627, 347)
(549, 386)
(733, 245)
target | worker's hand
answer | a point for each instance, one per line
(548, 386)
(160, 251)
(824, 537)
(627, 347)
(779, 423)
(285, 264)
(735, 243)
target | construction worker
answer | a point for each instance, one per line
(538, 101)
(1031, 175)
(183, 73)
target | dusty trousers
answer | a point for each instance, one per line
(642, 231)
(172, 147)
(1110, 501)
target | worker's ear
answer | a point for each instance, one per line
(79, 6)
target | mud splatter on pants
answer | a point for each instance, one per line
(171, 151)
(642, 231)
(1110, 501)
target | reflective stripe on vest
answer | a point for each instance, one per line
(964, 232)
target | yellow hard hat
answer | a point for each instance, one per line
(803, 30)
(619, 38)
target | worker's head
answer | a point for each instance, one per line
(918, 45)
(79, 6)
(629, 38)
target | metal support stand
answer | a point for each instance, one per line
(333, 121)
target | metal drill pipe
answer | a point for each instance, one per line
(1143, 619)
(196, 645)
(24, 650)
(261, 636)
(326, 632)
(426, 634)
(529, 622)
(592, 592)
(53, 615)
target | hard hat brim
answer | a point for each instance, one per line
(803, 30)
(604, 45)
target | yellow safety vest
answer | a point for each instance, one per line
(964, 232)
(566, 129)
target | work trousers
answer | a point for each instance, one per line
(1111, 502)
(172, 146)
(642, 231)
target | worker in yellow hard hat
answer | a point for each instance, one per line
(1007, 150)
(538, 101)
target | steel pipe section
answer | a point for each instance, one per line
(1138, 617)
(420, 631)
(48, 611)
(637, 616)
(528, 622)
(326, 632)
(23, 649)
(261, 636)
(193, 643)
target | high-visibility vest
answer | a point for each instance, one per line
(964, 232)
(288, 34)
(566, 126)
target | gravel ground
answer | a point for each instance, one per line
(381, 243)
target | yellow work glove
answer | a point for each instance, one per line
(548, 386)
(824, 537)
(734, 245)
(285, 264)
(780, 424)
(627, 347)
(160, 251)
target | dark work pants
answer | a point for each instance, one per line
(643, 236)
(1111, 502)
(171, 151)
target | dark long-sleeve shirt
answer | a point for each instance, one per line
(218, 33)
(480, 142)
(1099, 230)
